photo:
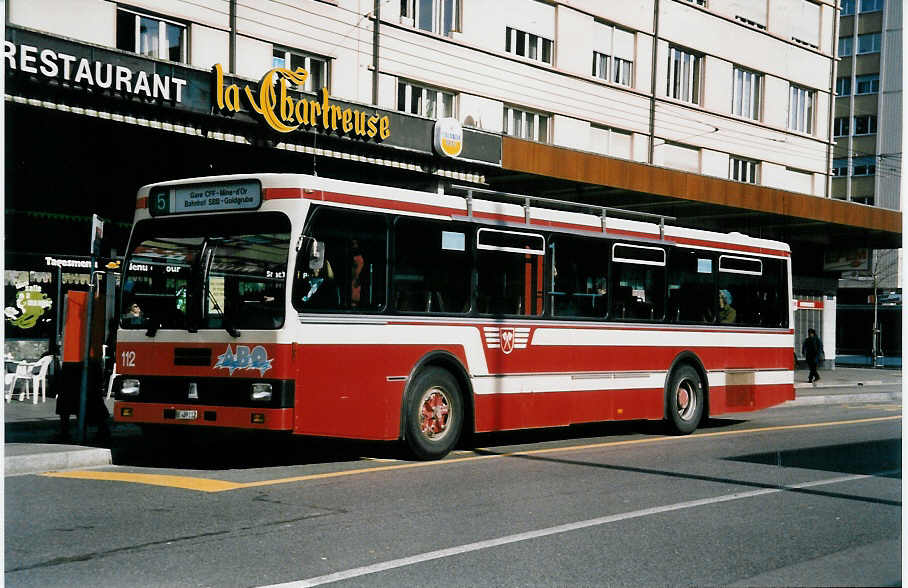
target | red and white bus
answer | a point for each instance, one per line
(323, 307)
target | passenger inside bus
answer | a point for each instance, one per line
(727, 312)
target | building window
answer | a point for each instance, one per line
(863, 166)
(869, 84)
(866, 6)
(847, 7)
(800, 109)
(868, 200)
(441, 17)
(746, 93)
(865, 124)
(610, 141)
(869, 43)
(840, 126)
(527, 45)
(840, 167)
(843, 86)
(846, 46)
(744, 170)
(424, 101)
(684, 75)
(615, 69)
(317, 67)
(151, 36)
(525, 125)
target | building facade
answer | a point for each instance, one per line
(719, 113)
(867, 163)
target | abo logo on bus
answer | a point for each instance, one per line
(505, 338)
(244, 359)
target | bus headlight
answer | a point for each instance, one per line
(129, 387)
(261, 392)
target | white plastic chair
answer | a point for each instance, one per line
(39, 377)
(23, 372)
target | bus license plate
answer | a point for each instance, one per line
(187, 415)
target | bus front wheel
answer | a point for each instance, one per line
(684, 401)
(434, 414)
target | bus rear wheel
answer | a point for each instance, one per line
(434, 414)
(685, 400)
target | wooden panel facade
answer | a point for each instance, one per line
(557, 162)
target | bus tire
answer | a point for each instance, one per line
(684, 400)
(434, 414)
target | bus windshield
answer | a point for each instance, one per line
(228, 271)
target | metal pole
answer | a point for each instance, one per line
(233, 36)
(375, 47)
(876, 325)
(652, 98)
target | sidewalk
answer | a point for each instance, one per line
(32, 441)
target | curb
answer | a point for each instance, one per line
(33, 459)
(843, 398)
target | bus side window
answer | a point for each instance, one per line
(691, 286)
(353, 274)
(638, 282)
(432, 267)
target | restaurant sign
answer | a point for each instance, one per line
(285, 114)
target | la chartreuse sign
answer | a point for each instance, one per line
(285, 113)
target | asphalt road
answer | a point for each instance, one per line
(804, 495)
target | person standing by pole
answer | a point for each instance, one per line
(812, 348)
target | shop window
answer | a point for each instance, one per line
(744, 170)
(684, 75)
(579, 277)
(151, 36)
(800, 109)
(424, 101)
(865, 124)
(432, 267)
(746, 93)
(526, 125)
(528, 45)
(637, 282)
(435, 16)
(317, 67)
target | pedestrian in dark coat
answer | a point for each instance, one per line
(812, 348)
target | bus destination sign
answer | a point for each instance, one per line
(205, 198)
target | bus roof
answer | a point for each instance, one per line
(280, 186)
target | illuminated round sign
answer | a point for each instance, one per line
(448, 137)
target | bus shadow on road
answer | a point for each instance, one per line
(223, 450)
(866, 458)
(593, 432)
(202, 450)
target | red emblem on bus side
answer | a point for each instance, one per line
(507, 340)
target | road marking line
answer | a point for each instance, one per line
(559, 529)
(209, 485)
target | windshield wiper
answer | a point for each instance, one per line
(228, 324)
